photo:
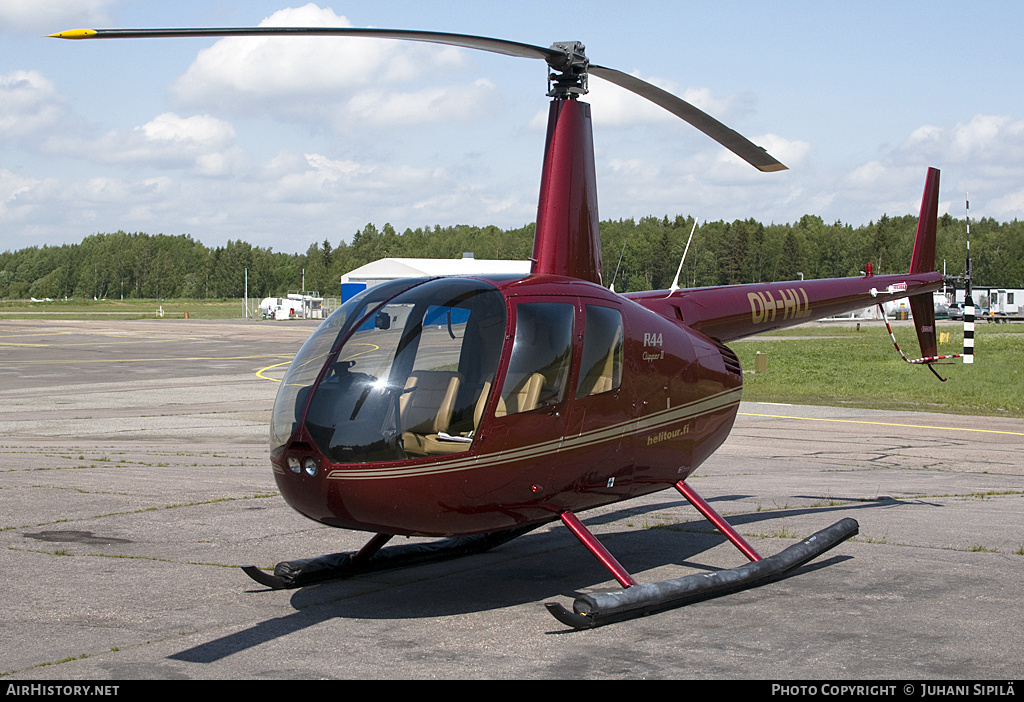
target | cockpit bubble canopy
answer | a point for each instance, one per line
(405, 366)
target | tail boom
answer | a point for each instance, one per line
(733, 312)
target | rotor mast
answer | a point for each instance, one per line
(567, 240)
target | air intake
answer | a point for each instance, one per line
(732, 362)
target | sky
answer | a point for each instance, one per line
(283, 142)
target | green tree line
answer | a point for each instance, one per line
(637, 255)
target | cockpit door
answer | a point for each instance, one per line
(527, 414)
(601, 405)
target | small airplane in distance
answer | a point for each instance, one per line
(478, 408)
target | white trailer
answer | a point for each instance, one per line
(1003, 302)
(281, 308)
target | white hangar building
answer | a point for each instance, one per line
(386, 269)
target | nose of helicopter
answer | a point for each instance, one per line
(299, 471)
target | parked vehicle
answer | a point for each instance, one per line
(956, 311)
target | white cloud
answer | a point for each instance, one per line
(790, 153)
(201, 131)
(307, 79)
(1010, 205)
(868, 174)
(202, 143)
(52, 15)
(330, 166)
(889, 188)
(422, 106)
(28, 104)
(617, 107)
(13, 189)
(310, 181)
(992, 138)
(984, 156)
(633, 168)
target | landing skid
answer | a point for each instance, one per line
(604, 608)
(635, 600)
(589, 611)
(373, 558)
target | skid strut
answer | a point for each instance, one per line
(715, 518)
(597, 548)
(635, 599)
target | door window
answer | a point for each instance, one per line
(601, 367)
(541, 353)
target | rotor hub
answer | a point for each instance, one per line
(567, 77)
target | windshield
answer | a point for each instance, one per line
(306, 366)
(412, 379)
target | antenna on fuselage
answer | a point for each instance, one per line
(616, 274)
(675, 283)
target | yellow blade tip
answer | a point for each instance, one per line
(74, 34)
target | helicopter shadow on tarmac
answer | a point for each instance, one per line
(533, 568)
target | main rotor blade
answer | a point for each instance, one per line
(557, 59)
(498, 46)
(753, 154)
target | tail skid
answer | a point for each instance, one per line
(926, 360)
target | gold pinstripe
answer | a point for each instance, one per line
(634, 427)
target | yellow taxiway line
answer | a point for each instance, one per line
(259, 373)
(884, 424)
(139, 360)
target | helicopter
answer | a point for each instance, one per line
(475, 409)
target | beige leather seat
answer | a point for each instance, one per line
(603, 375)
(426, 410)
(481, 405)
(521, 398)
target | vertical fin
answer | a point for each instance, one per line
(923, 261)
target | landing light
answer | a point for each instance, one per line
(309, 465)
(294, 465)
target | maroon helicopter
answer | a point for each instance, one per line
(479, 408)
